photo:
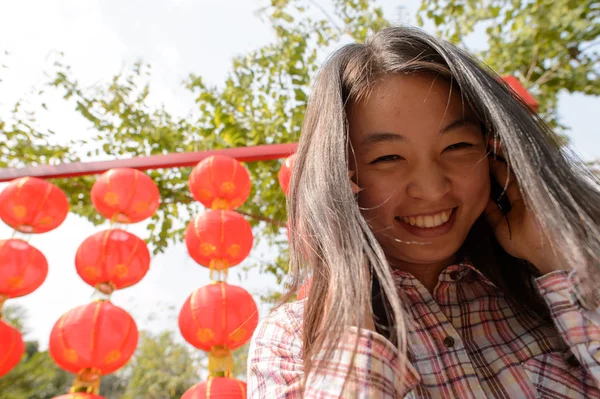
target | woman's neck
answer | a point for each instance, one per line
(427, 273)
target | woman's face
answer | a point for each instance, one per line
(420, 158)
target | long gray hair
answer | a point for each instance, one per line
(332, 243)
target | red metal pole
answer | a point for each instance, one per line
(177, 160)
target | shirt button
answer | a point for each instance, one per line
(454, 275)
(573, 361)
(448, 342)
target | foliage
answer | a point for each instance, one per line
(161, 368)
(550, 45)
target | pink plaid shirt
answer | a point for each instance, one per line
(467, 340)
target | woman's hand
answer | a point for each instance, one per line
(518, 231)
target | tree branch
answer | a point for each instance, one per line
(263, 219)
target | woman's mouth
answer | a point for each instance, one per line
(428, 221)
(429, 226)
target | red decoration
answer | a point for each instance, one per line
(304, 290)
(217, 387)
(33, 205)
(285, 173)
(79, 395)
(219, 239)
(98, 336)
(220, 182)
(521, 91)
(125, 195)
(218, 314)
(113, 257)
(12, 347)
(23, 268)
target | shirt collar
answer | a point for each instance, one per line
(463, 271)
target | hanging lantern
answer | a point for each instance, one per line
(219, 315)
(112, 259)
(23, 268)
(219, 387)
(285, 173)
(219, 239)
(303, 290)
(125, 195)
(220, 182)
(521, 91)
(93, 340)
(32, 205)
(12, 347)
(79, 395)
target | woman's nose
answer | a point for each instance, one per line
(429, 182)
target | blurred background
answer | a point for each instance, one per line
(84, 80)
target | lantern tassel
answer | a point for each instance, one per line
(88, 381)
(220, 362)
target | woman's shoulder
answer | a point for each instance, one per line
(285, 320)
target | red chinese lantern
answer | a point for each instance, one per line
(12, 347)
(285, 173)
(220, 315)
(23, 268)
(114, 257)
(79, 395)
(521, 91)
(220, 182)
(219, 239)
(98, 338)
(304, 290)
(33, 205)
(125, 195)
(217, 387)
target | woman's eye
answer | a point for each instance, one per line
(458, 146)
(387, 158)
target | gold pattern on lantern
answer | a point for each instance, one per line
(238, 334)
(91, 272)
(220, 203)
(206, 248)
(121, 270)
(227, 187)
(111, 198)
(15, 282)
(70, 355)
(140, 206)
(20, 211)
(45, 220)
(112, 357)
(234, 250)
(205, 334)
(219, 264)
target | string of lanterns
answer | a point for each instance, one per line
(98, 338)
(219, 317)
(30, 206)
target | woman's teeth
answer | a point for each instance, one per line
(428, 221)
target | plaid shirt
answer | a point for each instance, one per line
(467, 340)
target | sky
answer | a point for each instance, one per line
(177, 37)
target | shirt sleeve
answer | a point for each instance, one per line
(275, 368)
(579, 327)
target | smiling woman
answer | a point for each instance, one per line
(425, 282)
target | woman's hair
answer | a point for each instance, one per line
(331, 241)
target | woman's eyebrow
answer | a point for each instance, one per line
(457, 124)
(379, 137)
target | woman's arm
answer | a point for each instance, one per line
(275, 367)
(579, 327)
